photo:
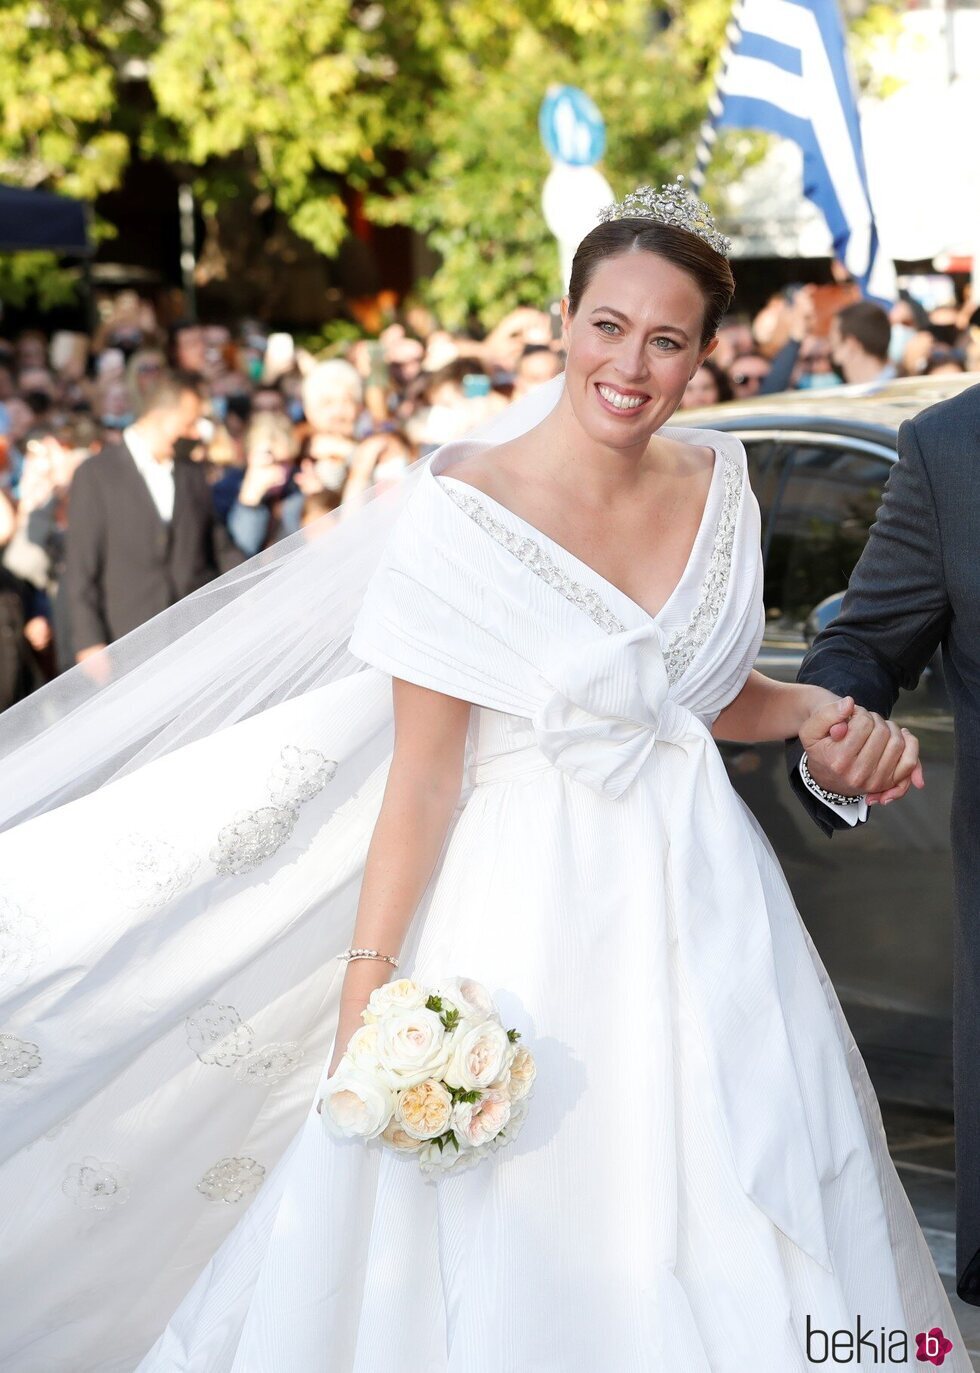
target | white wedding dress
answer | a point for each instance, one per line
(702, 1174)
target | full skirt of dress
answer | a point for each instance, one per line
(613, 1233)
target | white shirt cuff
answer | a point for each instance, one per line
(853, 814)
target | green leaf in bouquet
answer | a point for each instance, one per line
(434, 1003)
(450, 1020)
(513, 1035)
(471, 1095)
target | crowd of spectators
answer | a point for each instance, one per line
(793, 343)
(138, 463)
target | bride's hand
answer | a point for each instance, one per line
(349, 1022)
(856, 752)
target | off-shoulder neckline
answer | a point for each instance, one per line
(709, 516)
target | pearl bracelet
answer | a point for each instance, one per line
(835, 798)
(367, 953)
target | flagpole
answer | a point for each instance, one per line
(709, 127)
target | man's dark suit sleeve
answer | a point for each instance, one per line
(896, 610)
(84, 557)
(224, 551)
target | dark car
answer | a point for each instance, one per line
(878, 900)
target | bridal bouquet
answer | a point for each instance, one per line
(431, 1072)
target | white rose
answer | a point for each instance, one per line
(355, 1103)
(480, 1054)
(432, 1160)
(397, 1138)
(523, 1071)
(501, 1083)
(362, 1049)
(423, 1111)
(412, 1045)
(477, 1122)
(403, 993)
(470, 998)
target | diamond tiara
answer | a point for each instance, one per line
(673, 204)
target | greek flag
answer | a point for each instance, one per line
(785, 71)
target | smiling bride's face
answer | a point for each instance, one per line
(632, 346)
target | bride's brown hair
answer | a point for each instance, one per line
(710, 270)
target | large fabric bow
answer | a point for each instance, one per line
(607, 708)
(607, 712)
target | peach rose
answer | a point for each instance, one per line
(477, 1122)
(523, 1071)
(423, 1111)
(518, 1115)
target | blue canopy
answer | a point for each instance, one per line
(39, 219)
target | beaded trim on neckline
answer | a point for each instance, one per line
(684, 645)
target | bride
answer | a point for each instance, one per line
(471, 730)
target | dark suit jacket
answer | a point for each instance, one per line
(124, 563)
(916, 588)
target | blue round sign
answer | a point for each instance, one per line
(572, 129)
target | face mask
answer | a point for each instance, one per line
(390, 470)
(818, 381)
(295, 411)
(118, 421)
(332, 474)
(219, 408)
(902, 336)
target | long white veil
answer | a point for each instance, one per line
(181, 847)
(271, 629)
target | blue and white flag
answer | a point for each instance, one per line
(786, 72)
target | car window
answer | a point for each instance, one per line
(826, 502)
(762, 456)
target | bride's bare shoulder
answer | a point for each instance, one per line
(689, 457)
(492, 471)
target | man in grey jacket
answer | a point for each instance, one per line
(916, 588)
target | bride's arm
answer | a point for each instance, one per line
(767, 710)
(421, 792)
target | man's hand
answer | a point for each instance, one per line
(37, 632)
(856, 752)
(95, 663)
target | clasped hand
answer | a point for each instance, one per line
(858, 753)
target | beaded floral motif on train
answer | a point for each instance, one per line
(18, 1058)
(540, 563)
(147, 872)
(220, 1038)
(96, 1186)
(685, 644)
(253, 836)
(231, 1180)
(22, 943)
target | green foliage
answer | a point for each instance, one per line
(58, 77)
(430, 106)
(474, 187)
(36, 276)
